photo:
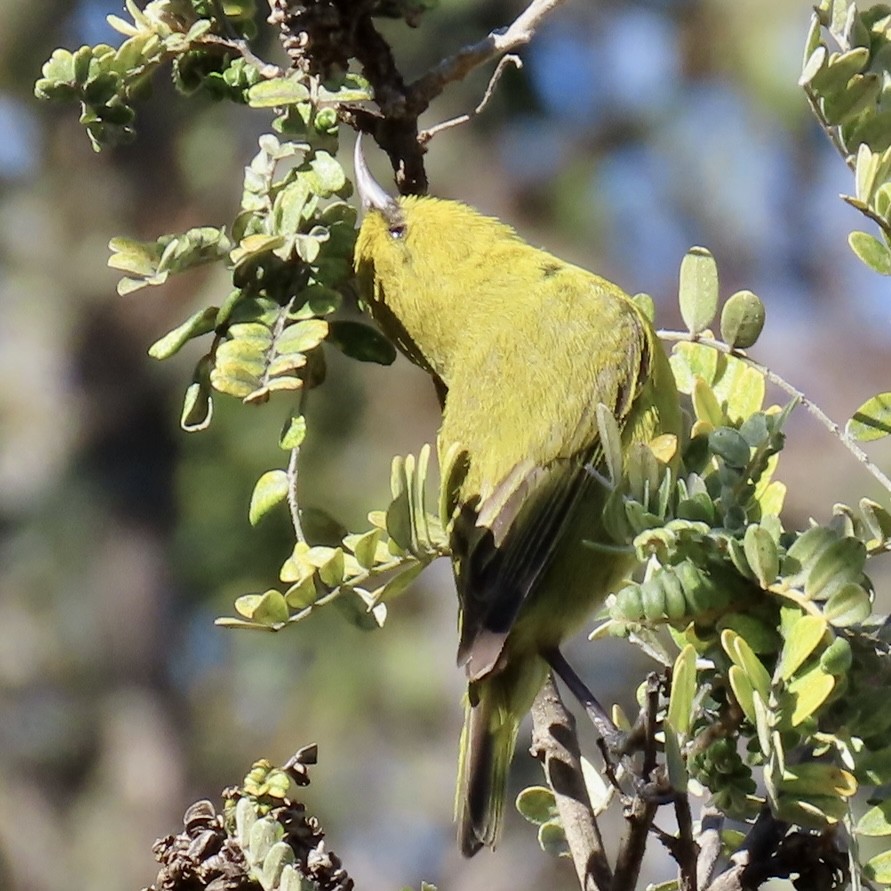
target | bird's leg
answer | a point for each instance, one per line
(614, 739)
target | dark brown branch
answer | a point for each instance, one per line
(395, 128)
(554, 742)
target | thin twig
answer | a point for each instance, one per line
(214, 41)
(786, 387)
(555, 743)
(868, 212)
(510, 59)
(458, 66)
(293, 503)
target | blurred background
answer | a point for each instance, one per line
(635, 130)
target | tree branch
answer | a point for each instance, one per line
(642, 811)
(426, 135)
(554, 742)
(457, 67)
(786, 387)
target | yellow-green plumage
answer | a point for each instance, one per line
(524, 347)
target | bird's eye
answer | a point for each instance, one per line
(397, 231)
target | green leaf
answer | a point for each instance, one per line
(872, 420)
(198, 402)
(878, 869)
(301, 337)
(742, 320)
(692, 360)
(876, 821)
(837, 658)
(761, 554)
(801, 641)
(361, 342)
(742, 690)
(611, 442)
(808, 692)
(537, 804)
(840, 563)
(280, 91)
(815, 63)
(302, 594)
(366, 548)
(197, 324)
(871, 251)
(878, 521)
(328, 176)
(399, 583)
(706, 404)
(815, 778)
(270, 490)
(743, 656)
(727, 443)
(683, 689)
(270, 608)
(698, 291)
(293, 433)
(552, 838)
(850, 605)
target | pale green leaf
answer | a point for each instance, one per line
(683, 689)
(280, 91)
(815, 778)
(871, 251)
(872, 420)
(698, 289)
(801, 641)
(552, 839)
(271, 489)
(879, 868)
(742, 320)
(197, 324)
(808, 692)
(293, 433)
(761, 554)
(849, 605)
(537, 804)
(876, 821)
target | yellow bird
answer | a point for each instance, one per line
(522, 347)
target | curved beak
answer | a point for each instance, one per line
(371, 192)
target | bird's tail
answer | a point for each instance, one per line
(487, 747)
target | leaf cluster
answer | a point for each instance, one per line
(362, 573)
(777, 662)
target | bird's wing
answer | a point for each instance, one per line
(524, 469)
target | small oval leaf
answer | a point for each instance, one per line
(361, 342)
(742, 320)
(874, 253)
(270, 489)
(698, 289)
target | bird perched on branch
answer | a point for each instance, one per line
(523, 347)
